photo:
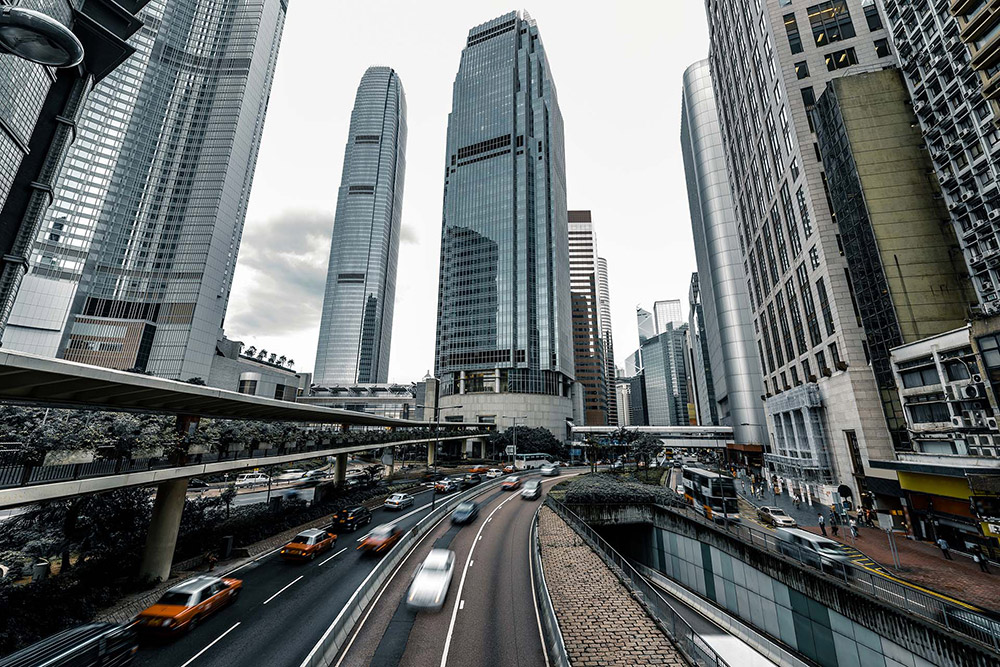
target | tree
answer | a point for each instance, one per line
(227, 496)
(646, 447)
(536, 440)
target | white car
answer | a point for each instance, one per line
(290, 475)
(398, 501)
(549, 470)
(430, 584)
(251, 479)
(493, 473)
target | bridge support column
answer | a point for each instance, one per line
(482, 449)
(163, 526)
(340, 470)
(431, 454)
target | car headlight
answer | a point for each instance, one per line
(168, 622)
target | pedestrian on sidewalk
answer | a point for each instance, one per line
(822, 522)
(980, 558)
(943, 545)
(854, 529)
(833, 528)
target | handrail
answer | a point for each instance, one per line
(556, 648)
(685, 638)
(960, 618)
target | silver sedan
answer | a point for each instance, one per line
(430, 584)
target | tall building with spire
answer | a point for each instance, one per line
(356, 326)
(504, 348)
(142, 240)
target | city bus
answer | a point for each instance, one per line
(709, 492)
(532, 460)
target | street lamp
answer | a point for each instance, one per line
(514, 419)
(437, 441)
(38, 38)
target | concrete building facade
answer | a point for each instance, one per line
(769, 64)
(355, 331)
(504, 328)
(588, 344)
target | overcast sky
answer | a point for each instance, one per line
(617, 68)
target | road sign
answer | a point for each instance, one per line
(884, 521)
(510, 449)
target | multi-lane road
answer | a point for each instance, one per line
(286, 607)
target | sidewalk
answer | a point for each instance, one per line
(601, 623)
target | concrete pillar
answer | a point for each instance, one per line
(163, 526)
(482, 449)
(340, 469)
(431, 453)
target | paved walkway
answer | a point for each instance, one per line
(601, 623)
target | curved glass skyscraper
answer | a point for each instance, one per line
(356, 326)
(504, 339)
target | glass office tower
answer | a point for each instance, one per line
(504, 339)
(155, 286)
(356, 326)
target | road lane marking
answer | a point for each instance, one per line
(461, 583)
(471, 562)
(461, 605)
(214, 641)
(531, 575)
(333, 556)
(283, 589)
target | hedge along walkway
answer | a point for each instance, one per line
(601, 623)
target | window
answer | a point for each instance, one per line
(830, 22)
(807, 372)
(248, 387)
(795, 376)
(882, 48)
(814, 257)
(835, 354)
(921, 377)
(957, 370)
(821, 362)
(923, 413)
(804, 213)
(824, 305)
(857, 463)
(808, 97)
(872, 15)
(841, 59)
(801, 70)
(792, 30)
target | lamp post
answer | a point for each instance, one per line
(514, 420)
(38, 38)
(437, 442)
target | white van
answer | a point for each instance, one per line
(810, 548)
(251, 479)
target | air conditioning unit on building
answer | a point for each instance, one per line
(958, 422)
(971, 391)
(994, 214)
(964, 133)
(977, 378)
(991, 423)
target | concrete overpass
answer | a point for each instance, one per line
(694, 437)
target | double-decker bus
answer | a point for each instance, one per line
(712, 494)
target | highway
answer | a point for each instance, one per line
(285, 607)
(489, 616)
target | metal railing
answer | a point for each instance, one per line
(325, 651)
(957, 617)
(687, 641)
(555, 647)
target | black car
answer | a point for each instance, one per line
(466, 512)
(351, 518)
(471, 479)
(195, 483)
(91, 645)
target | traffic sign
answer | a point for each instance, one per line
(510, 449)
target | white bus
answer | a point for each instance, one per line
(532, 460)
(712, 494)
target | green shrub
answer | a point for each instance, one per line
(609, 489)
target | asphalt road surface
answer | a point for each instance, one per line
(489, 616)
(284, 609)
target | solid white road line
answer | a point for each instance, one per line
(333, 556)
(214, 641)
(283, 589)
(461, 583)
(371, 606)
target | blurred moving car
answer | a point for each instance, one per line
(446, 485)
(290, 475)
(251, 479)
(381, 539)
(350, 518)
(398, 501)
(466, 512)
(186, 604)
(90, 645)
(430, 584)
(532, 490)
(508, 469)
(550, 470)
(308, 544)
(511, 483)
(493, 473)
(479, 470)
(775, 516)
(315, 474)
(471, 479)
(195, 483)
(819, 552)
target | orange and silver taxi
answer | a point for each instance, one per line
(511, 483)
(308, 544)
(381, 539)
(184, 606)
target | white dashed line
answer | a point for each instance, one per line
(461, 605)
(333, 556)
(282, 590)
(214, 641)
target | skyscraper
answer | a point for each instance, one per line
(700, 375)
(356, 326)
(504, 338)
(669, 311)
(610, 372)
(588, 346)
(180, 146)
(664, 377)
(769, 64)
(736, 373)
(646, 324)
